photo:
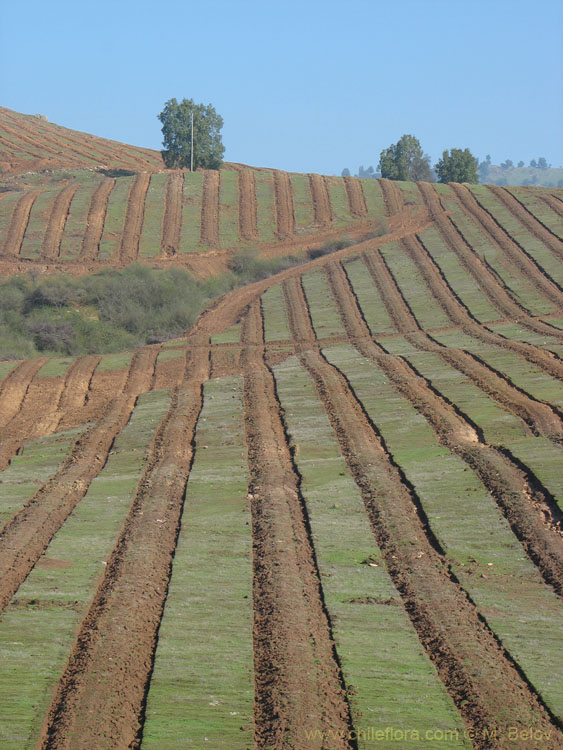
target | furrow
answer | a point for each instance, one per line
(24, 538)
(537, 415)
(96, 219)
(298, 680)
(356, 198)
(532, 224)
(210, 208)
(129, 250)
(553, 203)
(535, 521)
(172, 222)
(37, 145)
(480, 676)
(77, 384)
(18, 224)
(525, 264)
(285, 213)
(50, 249)
(496, 294)
(248, 217)
(14, 388)
(110, 665)
(321, 200)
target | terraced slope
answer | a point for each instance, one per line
(333, 509)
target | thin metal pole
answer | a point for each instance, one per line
(192, 146)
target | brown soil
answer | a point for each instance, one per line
(248, 217)
(172, 223)
(554, 203)
(96, 219)
(450, 629)
(134, 218)
(516, 254)
(24, 538)
(285, 215)
(210, 208)
(125, 613)
(532, 224)
(321, 200)
(356, 198)
(297, 677)
(54, 233)
(18, 224)
(13, 389)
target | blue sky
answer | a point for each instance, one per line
(304, 86)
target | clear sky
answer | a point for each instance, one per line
(310, 86)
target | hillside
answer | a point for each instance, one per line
(331, 509)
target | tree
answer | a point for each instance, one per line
(542, 163)
(520, 164)
(176, 119)
(457, 166)
(507, 164)
(345, 172)
(405, 160)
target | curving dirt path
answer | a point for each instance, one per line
(24, 538)
(449, 626)
(209, 233)
(96, 219)
(356, 197)
(534, 517)
(51, 245)
(517, 255)
(247, 212)
(285, 214)
(527, 218)
(172, 222)
(129, 250)
(125, 613)
(485, 279)
(297, 676)
(321, 200)
(18, 224)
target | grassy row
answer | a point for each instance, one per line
(37, 461)
(7, 205)
(489, 252)
(56, 594)
(390, 678)
(115, 218)
(482, 551)
(534, 247)
(302, 202)
(276, 327)
(202, 686)
(324, 314)
(191, 213)
(369, 298)
(544, 213)
(229, 210)
(155, 204)
(37, 225)
(75, 226)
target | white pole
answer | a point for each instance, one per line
(192, 146)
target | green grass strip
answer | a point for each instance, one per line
(229, 336)
(191, 213)
(115, 217)
(155, 203)
(459, 279)
(31, 468)
(55, 596)
(55, 368)
(276, 327)
(7, 205)
(114, 361)
(542, 211)
(482, 550)
(202, 688)
(75, 225)
(339, 202)
(374, 199)
(228, 209)
(532, 246)
(6, 368)
(37, 225)
(419, 298)
(394, 682)
(266, 208)
(324, 313)
(302, 202)
(368, 297)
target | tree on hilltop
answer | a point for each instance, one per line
(405, 160)
(457, 166)
(177, 133)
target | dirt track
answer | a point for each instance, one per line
(54, 233)
(129, 250)
(172, 222)
(18, 224)
(321, 200)
(285, 215)
(95, 221)
(356, 198)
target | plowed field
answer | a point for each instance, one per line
(329, 516)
